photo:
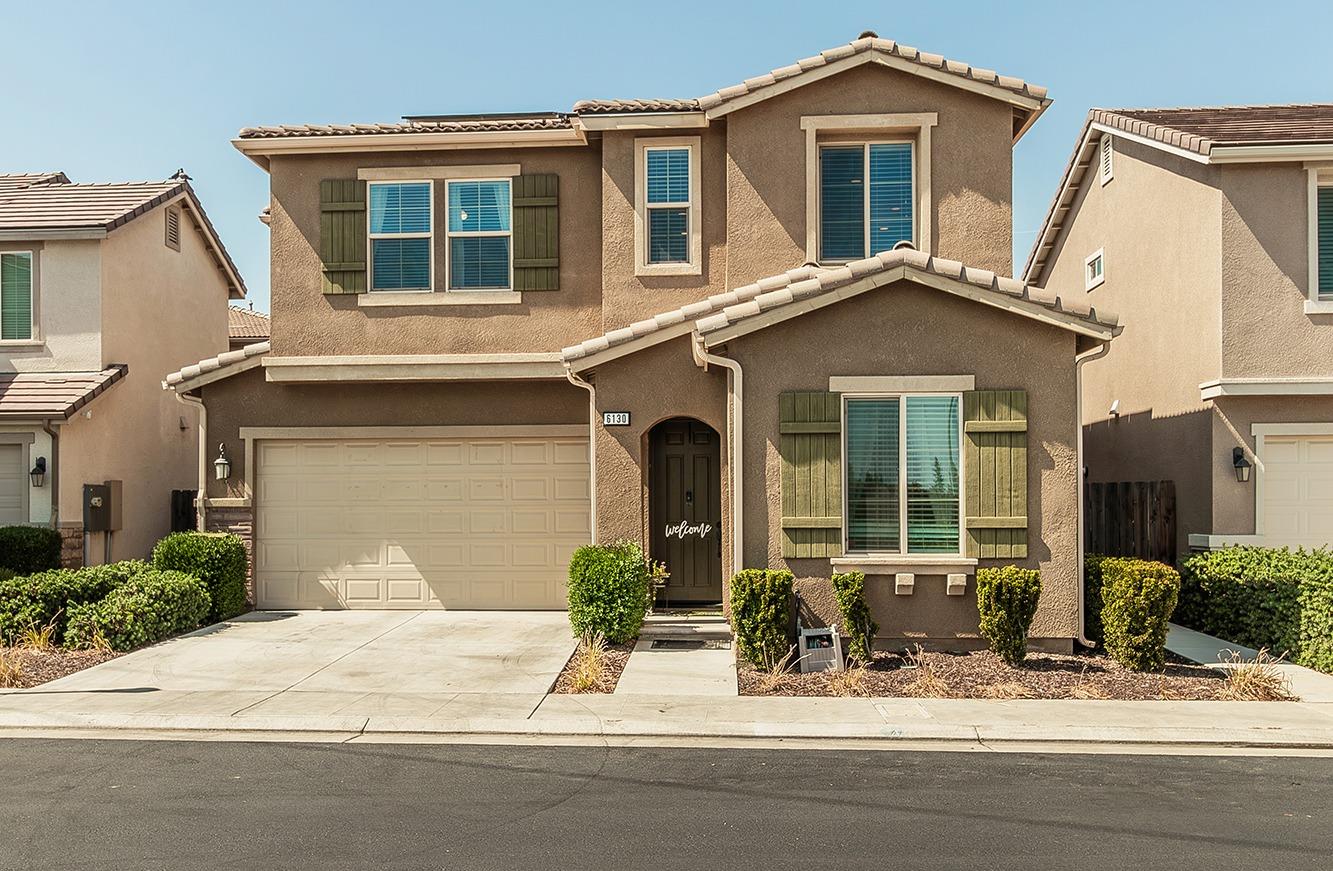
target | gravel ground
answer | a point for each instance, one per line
(983, 675)
(36, 667)
(616, 657)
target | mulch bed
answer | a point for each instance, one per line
(617, 655)
(36, 667)
(983, 675)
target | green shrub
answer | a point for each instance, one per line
(218, 560)
(1263, 598)
(1138, 597)
(6, 574)
(761, 614)
(149, 607)
(608, 590)
(46, 598)
(849, 588)
(1007, 601)
(1092, 597)
(25, 550)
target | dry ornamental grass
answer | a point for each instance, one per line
(594, 667)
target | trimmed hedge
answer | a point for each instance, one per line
(26, 550)
(761, 614)
(217, 559)
(608, 590)
(1271, 598)
(1092, 597)
(849, 588)
(1138, 598)
(46, 598)
(149, 607)
(1007, 601)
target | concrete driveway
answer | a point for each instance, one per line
(338, 665)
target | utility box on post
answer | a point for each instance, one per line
(96, 508)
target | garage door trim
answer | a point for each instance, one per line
(1289, 430)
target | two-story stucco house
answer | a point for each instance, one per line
(767, 327)
(1210, 231)
(103, 287)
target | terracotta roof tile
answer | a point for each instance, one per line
(81, 206)
(48, 395)
(483, 125)
(213, 364)
(12, 181)
(243, 323)
(1204, 128)
(593, 107)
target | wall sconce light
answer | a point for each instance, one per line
(1241, 464)
(222, 465)
(38, 473)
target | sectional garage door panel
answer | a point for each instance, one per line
(439, 523)
(1298, 491)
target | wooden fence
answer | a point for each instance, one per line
(1132, 518)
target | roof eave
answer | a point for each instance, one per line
(259, 149)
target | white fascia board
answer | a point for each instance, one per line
(1266, 387)
(643, 121)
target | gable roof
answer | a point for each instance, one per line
(51, 395)
(54, 207)
(809, 287)
(1210, 135)
(10, 181)
(243, 323)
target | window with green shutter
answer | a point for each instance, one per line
(995, 483)
(1325, 243)
(810, 444)
(15, 295)
(536, 233)
(342, 235)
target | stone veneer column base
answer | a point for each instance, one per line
(71, 545)
(241, 523)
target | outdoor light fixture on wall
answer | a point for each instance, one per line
(38, 473)
(222, 465)
(1241, 464)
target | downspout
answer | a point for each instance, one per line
(1080, 359)
(197, 403)
(734, 387)
(592, 446)
(55, 471)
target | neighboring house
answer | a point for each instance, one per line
(1210, 231)
(245, 326)
(753, 305)
(103, 287)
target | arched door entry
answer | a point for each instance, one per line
(685, 509)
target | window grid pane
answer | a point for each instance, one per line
(842, 203)
(668, 175)
(1325, 218)
(932, 474)
(478, 206)
(890, 195)
(399, 208)
(478, 262)
(872, 475)
(400, 264)
(668, 235)
(16, 296)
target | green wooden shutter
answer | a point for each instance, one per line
(810, 442)
(995, 426)
(342, 234)
(537, 232)
(1325, 239)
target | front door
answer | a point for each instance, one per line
(685, 509)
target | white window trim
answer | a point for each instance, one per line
(915, 126)
(477, 234)
(1260, 431)
(1106, 158)
(641, 148)
(1316, 177)
(371, 237)
(1090, 283)
(34, 333)
(900, 556)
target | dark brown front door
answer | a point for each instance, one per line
(685, 509)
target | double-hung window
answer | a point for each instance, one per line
(902, 474)
(15, 295)
(668, 204)
(480, 234)
(866, 200)
(400, 235)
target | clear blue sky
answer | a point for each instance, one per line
(133, 90)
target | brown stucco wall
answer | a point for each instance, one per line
(307, 322)
(906, 329)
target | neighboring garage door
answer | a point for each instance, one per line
(13, 480)
(424, 523)
(1298, 491)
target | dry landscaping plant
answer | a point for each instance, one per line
(1087, 690)
(774, 670)
(588, 663)
(34, 638)
(1257, 680)
(850, 681)
(11, 671)
(926, 684)
(1010, 689)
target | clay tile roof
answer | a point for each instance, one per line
(243, 323)
(593, 107)
(251, 354)
(722, 310)
(11, 181)
(81, 206)
(1203, 128)
(549, 121)
(49, 395)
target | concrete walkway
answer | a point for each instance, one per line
(1306, 683)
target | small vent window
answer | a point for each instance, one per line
(173, 233)
(1094, 270)
(1107, 150)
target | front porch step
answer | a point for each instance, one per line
(693, 625)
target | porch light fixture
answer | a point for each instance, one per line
(1241, 464)
(222, 465)
(38, 474)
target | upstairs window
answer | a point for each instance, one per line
(668, 205)
(865, 199)
(1094, 269)
(1324, 243)
(480, 234)
(400, 236)
(15, 295)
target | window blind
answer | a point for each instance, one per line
(890, 195)
(400, 264)
(399, 208)
(478, 206)
(1325, 236)
(16, 295)
(873, 518)
(932, 474)
(842, 203)
(668, 236)
(479, 262)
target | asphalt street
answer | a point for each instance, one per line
(71, 804)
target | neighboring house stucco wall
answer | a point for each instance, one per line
(67, 296)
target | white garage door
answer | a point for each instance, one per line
(13, 482)
(427, 523)
(1298, 491)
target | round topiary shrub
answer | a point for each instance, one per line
(1138, 597)
(1007, 600)
(761, 615)
(608, 591)
(217, 559)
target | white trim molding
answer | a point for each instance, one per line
(694, 209)
(1218, 542)
(416, 367)
(901, 383)
(260, 149)
(643, 121)
(893, 565)
(415, 173)
(1317, 386)
(421, 299)
(1261, 432)
(1316, 177)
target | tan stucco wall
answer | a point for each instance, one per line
(971, 169)
(67, 294)
(926, 332)
(307, 322)
(1158, 224)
